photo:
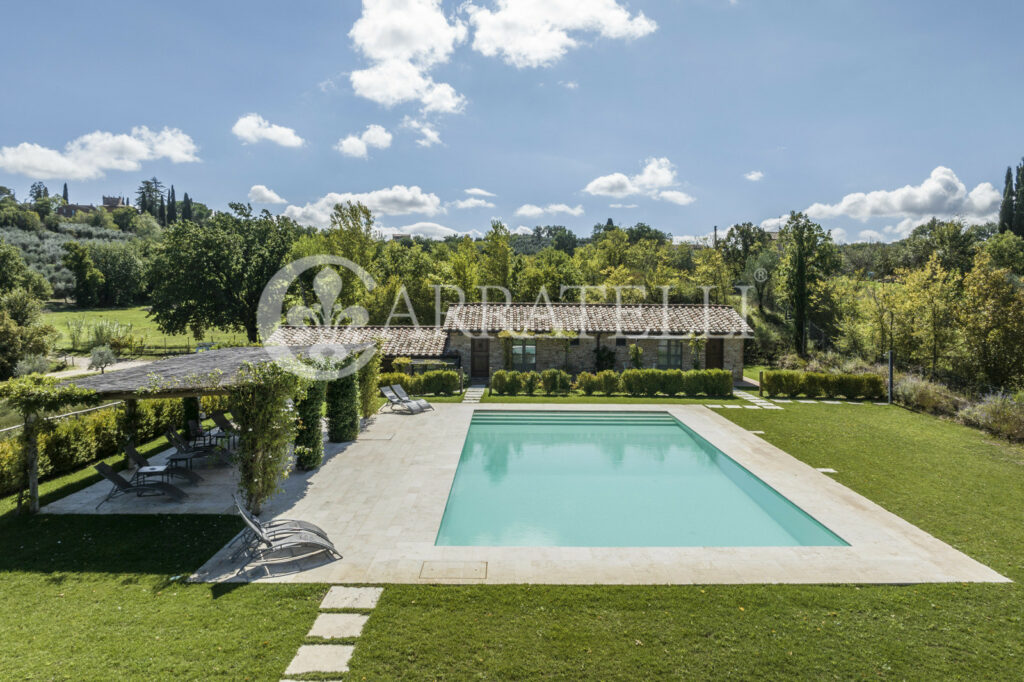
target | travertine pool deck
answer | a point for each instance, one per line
(381, 500)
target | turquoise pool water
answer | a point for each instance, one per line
(606, 479)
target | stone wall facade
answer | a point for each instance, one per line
(579, 355)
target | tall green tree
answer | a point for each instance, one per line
(1018, 203)
(808, 256)
(65, 193)
(990, 315)
(161, 212)
(88, 278)
(498, 263)
(740, 241)
(1006, 213)
(148, 196)
(172, 207)
(211, 276)
(38, 191)
(186, 208)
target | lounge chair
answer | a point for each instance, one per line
(187, 453)
(197, 437)
(123, 487)
(278, 527)
(144, 469)
(402, 395)
(270, 541)
(394, 401)
(227, 429)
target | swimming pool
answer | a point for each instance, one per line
(607, 479)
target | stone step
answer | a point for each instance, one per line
(320, 658)
(338, 625)
(351, 597)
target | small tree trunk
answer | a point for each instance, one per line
(32, 462)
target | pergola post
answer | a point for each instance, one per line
(131, 423)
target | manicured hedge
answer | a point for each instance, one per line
(343, 409)
(434, 382)
(819, 384)
(309, 438)
(73, 443)
(635, 382)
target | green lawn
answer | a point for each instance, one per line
(955, 482)
(58, 315)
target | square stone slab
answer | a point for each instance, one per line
(351, 598)
(337, 625)
(463, 570)
(320, 658)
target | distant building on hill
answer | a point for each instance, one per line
(110, 204)
(114, 203)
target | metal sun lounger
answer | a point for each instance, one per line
(395, 401)
(124, 487)
(402, 395)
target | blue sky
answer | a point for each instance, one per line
(873, 115)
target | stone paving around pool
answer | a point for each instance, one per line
(382, 498)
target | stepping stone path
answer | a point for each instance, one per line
(758, 401)
(333, 658)
(473, 394)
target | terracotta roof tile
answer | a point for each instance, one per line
(398, 341)
(592, 318)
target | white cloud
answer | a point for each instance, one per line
(403, 40)
(532, 33)
(522, 229)
(252, 128)
(677, 197)
(428, 230)
(941, 195)
(477, 192)
(754, 176)
(657, 174)
(532, 211)
(374, 136)
(261, 194)
(397, 200)
(89, 156)
(622, 205)
(473, 202)
(428, 134)
(569, 85)
(863, 235)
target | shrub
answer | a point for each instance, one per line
(998, 414)
(873, 386)
(31, 364)
(406, 381)
(514, 383)
(813, 384)
(587, 383)
(438, 382)
(367, 382)
(608, 380)
(783, 382)
(672, 382)
(101, 358)
(650, 381)
(632, 382)
(692, 383)
(402, 365)
(920, 394)
(636, 356)
(555, 381)
(343, 409)
(531, 382)
(717, 382)
(499, 382)
(309, 439)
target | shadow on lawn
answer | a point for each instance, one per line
(155, 544)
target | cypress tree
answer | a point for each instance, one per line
(65, 192)
(161, 212)
(1018, 203)
(1006, 212)
(186, 208)
(172, 207)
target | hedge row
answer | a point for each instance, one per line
(818, 384)
(635, 382)
(551, 381)
(79, 441)
(434, 382)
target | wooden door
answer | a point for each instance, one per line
(714, 354)
(480, 362)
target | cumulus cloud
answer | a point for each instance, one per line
(428, 134)
(472, 202)
(261, 194)
(533, 33)
(754, 175)
(569, 85)
(252, 128)
(91, 155)
(358, 146)
(404, 40)
(522, 229)
(942, 194)
(397, 200)
(477, 192)
(622, 205)
(657, 174)
(428, 230)
(532, 211)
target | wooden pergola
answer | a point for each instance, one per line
(208, 373)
